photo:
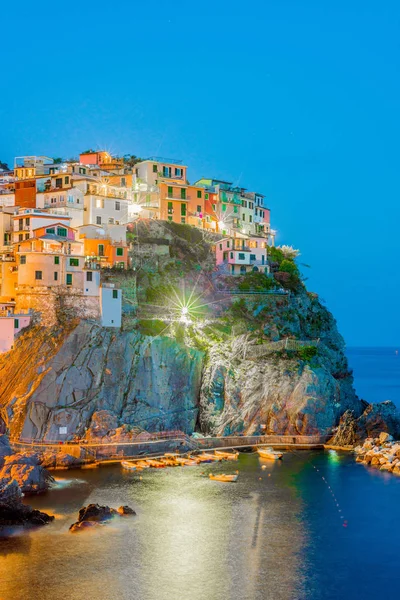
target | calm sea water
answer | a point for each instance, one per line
(376, 373)
(315, 526)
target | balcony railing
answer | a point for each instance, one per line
(177, 198)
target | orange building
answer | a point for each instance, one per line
(25, 193)
(182, 203)
(104, 249)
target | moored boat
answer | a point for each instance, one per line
(226, 455)
(125, 464)
(156, 464)
(205, 457)
(269, 453)
(223, 477)
(142, 464)
(94, 465)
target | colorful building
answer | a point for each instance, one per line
(104, 247)
(240, 255)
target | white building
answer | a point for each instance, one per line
(110, 305)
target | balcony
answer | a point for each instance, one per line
(107, 192)
(176, 198)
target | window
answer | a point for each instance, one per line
(123, 181)
(170, 194)
(183, 210)
(20, 237)
(198, 208)
(183, 194)
(74, 262)
(250, 219)
(66, 180)
(154, 169)
(227, 244)
(38, 275)
(169, 218)
(27, 236)
(98, 220)
(27, 222)
(206, 197)
(120, 251)
(111, 221)
(199, 193)
(55, 275)
(50, 230)
(183, 220)
(115, 293)
(243, 217)
(69, 279)
(70, 199)
(235, 209)
(99, 203)
(61, 231)
(59, 182)
(241, 256)
(224, 208)
(170, 209)
(118, 206)
(213, 207)
(178, 172)
(22, 260)
(56, 260)
(20, 224)
(231, 254)
(16, 323)
(166, 171)
(89, 276)
(252, 257)
(245, 203)
(220, 246)
(101, 249)
(243, 269)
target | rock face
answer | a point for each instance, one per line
(242, 391)
(94, 514)
(26, 471)
(382, 419)
(150, 382)
(98, 384)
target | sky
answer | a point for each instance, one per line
(298, 100)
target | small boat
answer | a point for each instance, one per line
(223, 477)
(125, 464)
(269, 453)
(156, 464)
(205, 457)
(94, 465)
(226, 455)
(186, 462)
(169, 462)
(142, 464)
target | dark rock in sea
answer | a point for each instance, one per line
(57, 460)
(125, 510)
(95, 514)
(13, 512)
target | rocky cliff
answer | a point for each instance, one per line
(127, 378)
(288, 392)
(97, 382)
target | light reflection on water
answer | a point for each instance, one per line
(275, 538)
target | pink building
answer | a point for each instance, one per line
(242, 255)
(10, 326)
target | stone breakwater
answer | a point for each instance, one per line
(381, 452)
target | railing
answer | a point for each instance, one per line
(276, 292)
(179, 198)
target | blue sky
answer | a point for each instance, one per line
(298, 100)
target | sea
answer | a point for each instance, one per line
(376, 373)
(314, 526)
